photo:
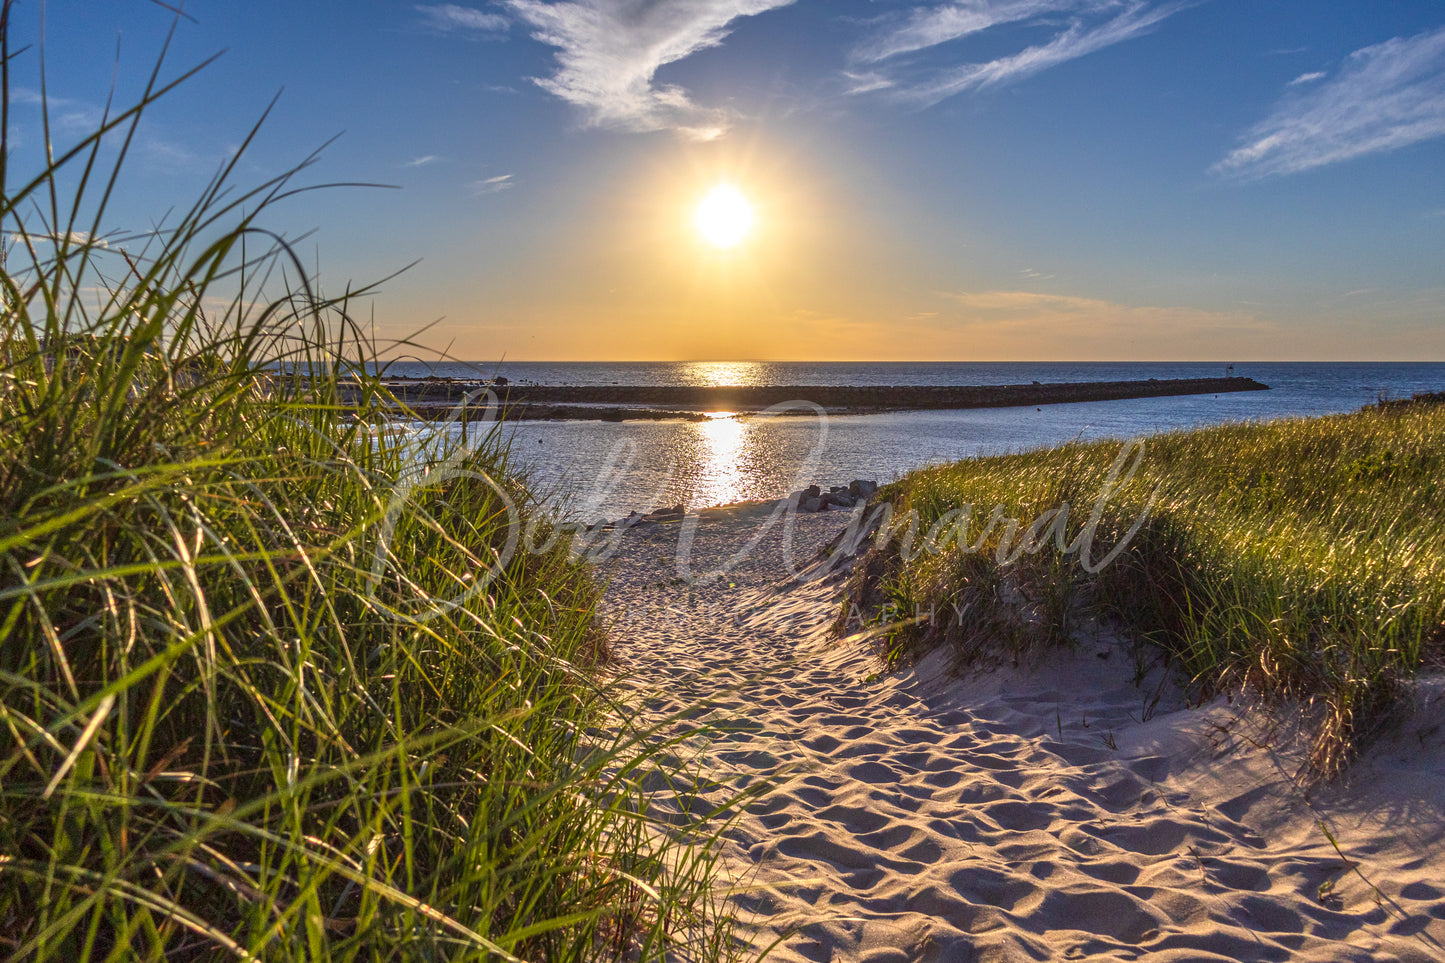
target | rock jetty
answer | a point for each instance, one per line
(438, 397)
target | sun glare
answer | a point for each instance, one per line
(724, 217)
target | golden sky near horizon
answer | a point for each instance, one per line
(841, 262)
(629, 274)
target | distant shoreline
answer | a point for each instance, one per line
(437, 398)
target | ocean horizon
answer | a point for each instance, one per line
(1383, 375)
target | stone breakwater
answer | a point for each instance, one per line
(435, 397)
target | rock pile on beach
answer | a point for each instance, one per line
(670, 514)
(660, 514)
(810, 500)
(814, 499)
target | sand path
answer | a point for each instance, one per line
(1034, 814)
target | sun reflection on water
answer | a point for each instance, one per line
(720, 476)
(723, 374)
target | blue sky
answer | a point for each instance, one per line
(991, 179)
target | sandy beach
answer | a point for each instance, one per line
(1065, 810)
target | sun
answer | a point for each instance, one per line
(724, 217)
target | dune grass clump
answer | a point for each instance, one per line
(274, 685)
(1304, 558)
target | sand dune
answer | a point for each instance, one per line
(1031, 813)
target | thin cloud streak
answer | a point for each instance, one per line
(928, 27)
(1385, 97)
(1030, 308)
(493, 185)
(867, 81)
(1033, 325)
(70, 238)
(1084, 34)
(450, 16)
(608, 54)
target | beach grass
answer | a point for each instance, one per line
(1303, 558)
(274, 682)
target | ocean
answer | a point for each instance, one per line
(593, 470)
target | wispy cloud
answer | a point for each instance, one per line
(1384, 97)
(609, 52)
(492, 185)
(1080, 27)
(422, 161)
(1308, 78)
(1027, 324)
(1006, 309)
(863, 82)
(71, 239)
(79, 119)
(924, 27)
(452, 17)
(168, 156)
(66, 115)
